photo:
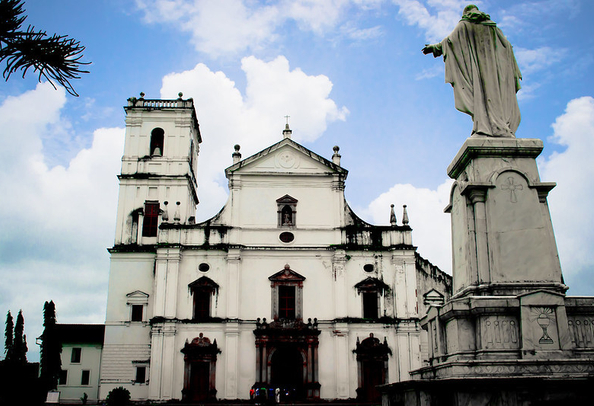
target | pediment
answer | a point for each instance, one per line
(286, 156)
(286, 275)
(137, 297)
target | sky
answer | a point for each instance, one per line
(347, 72)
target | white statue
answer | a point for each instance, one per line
(481, 67)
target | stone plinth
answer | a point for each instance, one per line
(502, 236)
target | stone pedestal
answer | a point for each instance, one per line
(508, 336)
(502, 237)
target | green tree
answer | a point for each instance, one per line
(51, 348)
(55, 58)
(19, 344)
(8, 337)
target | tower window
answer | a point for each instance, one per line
(157, 138)
(137, 311)
(151, 219)
(140, 375)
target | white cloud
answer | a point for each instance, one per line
(534, 60)
(570, 201)
(255, 120)
(431, 226)
(59, 220)
(248, 25)
(438, 17)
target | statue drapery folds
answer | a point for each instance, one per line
(481, 67)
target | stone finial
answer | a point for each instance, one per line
(142, 95)
(176, 215)
(165, 215)
(336, 155)
(404, 215)
(180, 94)
(287, 131)
(392, 216)
(236, 155)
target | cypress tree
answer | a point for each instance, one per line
(51, 364)
(8, 343)
(19, 344)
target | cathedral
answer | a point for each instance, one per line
(284, 288)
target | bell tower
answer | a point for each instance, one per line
(158, 176)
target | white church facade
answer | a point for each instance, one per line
(284, 287)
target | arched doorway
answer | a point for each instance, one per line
(372, 360)
(200, 357)
(287, 370)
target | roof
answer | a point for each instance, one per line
(277, 146)
(81, 333)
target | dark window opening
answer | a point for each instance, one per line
(137, 312)
(151, 219)
(75, 355)
(202, 304)
(286, 302)
(370, 305)
(85, 377)
(63, 377)
(286, 237)
(368, 267)
(203, 267)
(157, 138)
(140, 375)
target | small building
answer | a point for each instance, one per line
(285, 287)
(81, 361)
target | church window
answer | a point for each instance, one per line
(151, 219)
(203, 267)
(63, 377)
(286, 302)
(140, 375)
(368, 267)
(287, 211)
(85, 377)
(286, 237)
(203, 290)
(287, 294)
(370, 290)
(157, 138)
(370, 305)
(137, 311)
(138, 302)
(75, 355)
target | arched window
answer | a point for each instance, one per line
(203, 290)
(287, 211)
(157, 139)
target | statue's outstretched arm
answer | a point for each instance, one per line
(434, 49)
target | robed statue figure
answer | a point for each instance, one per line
(481, 67)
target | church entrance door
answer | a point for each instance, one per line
(287, 371)
(200, 378)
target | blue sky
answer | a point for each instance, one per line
(348, 72)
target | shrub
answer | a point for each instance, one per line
(118, 397)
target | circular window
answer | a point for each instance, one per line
(368, 267)
(203, 267)
(286, 236)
